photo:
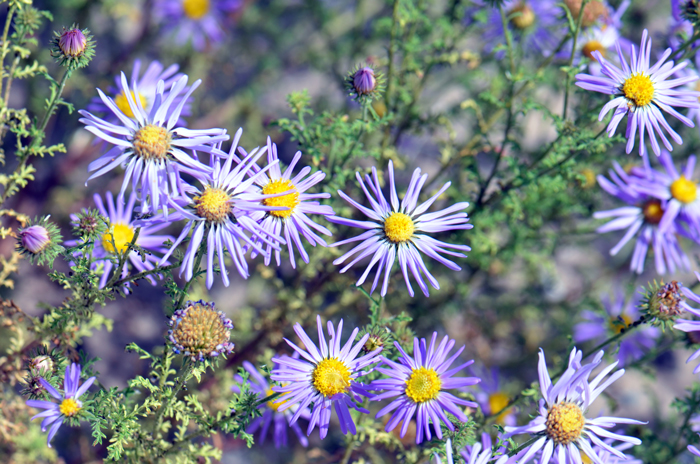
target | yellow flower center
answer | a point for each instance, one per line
(564, 423)
(523, 16)
(617, 325)
(593, 46)
(122, 235)
(585, 459)
(277, 402)
(195, 9)
(653, 212)
(684, 190)
(331, 377)
(123, 103)
(213, 205)
(639, 89)
(69, 407)
(151, 143)
(423, 385)
(399, 227)
(498, 402)
(291, 200)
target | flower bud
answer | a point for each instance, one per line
(198, 331)
(363, 81)
(39, 240)
(663, 302)
(34, 239)
(72, 42)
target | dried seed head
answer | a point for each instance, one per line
(199, 331)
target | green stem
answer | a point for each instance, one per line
(5, 48)
(392, 50)
(122, 256)
(571, 58)
(683, 48)
(180, 381)
(143, 274)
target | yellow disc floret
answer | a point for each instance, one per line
(123, 103)
(69, 407)
(638, 89)
(399, 227)
(652, 211)
(423, 385)
(523, 16)
(122, 235)
(213, 205)
(617, 324)
(684, 190)
(195, 9)
(497, 403)
(593, 46)
(152, 142)
(564, 423)
(291, 200)
(331, 377)
(277, 402)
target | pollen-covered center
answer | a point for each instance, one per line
(684, 190)
(652, 211)
(399, 227)
(331, 377)
(122, 235)
(618, 323)
(638, 89)
(522, 16)
(423, 385)
(277, 402)
(69, 407)
(291, 200)
(497, 403)
(593, 46)
(123, 103)
(152, 143)
(564, 423)
(213, 205)
(195, 9)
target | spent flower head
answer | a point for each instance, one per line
(73, 47)
(662, 303)
(40, 240)
(200, 332)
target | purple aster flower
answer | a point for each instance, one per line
(151, 149)
(293, 223)
(121, 232)
(68, 405)
(491, 397)
(603, 454)
(620, 315)
(327, 376)
(220, 211)
(690, 325)
(562, 428)
(693, 70)
(398, 230)
(146, 85)
(677, 191)
(271, 414)
(641, 91)
(641, 219)
(536, 24)
(679, 28)
(419, 385)
(203, 22)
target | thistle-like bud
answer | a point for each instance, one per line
(200, 332)
(40, 240)
(363, 83)
(691, 11)
(73, 48)
(88, 224)
(662, 303)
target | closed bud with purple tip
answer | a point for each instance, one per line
(363, 83)
(73, 48)
(39, 240)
